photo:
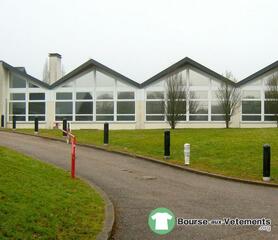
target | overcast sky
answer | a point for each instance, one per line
(140, 38)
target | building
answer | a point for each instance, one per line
(93, 94)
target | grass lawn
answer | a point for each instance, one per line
(39, 201)
(231, 152)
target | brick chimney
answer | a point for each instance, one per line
(55, 67)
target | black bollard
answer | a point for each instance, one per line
(2, 121)
(166, 144)
(106, 134)
(14, 122)
(266, 163)
(65, 127)
(36, 125)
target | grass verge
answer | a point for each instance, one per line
(39, 201)
(231, 152)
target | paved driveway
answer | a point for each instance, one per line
(136, 187)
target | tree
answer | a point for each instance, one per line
(176, 95)
(45, 73)
(63, 70)
(228, 98)
(271, 96)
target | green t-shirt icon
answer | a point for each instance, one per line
(162, 221)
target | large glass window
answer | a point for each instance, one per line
(105, 106)
(36, 96)
(197, 79)
(84, 96)
(36, 106)
(125, 106)
(125, 95)
(17, 81)
(105, 95)
(198, 106)
(17, 106)
(17, 96)
(270, 106)
(155, 95)
(84, 106)
(155, 106)
(17, 109)
(216, 109)
(251, 94)
(251, 105)
(199, 94)
(63, 96)
(104, 80)
(64, 106)
(85, 80)
(23, 104)
(104, 110)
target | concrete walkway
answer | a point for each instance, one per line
(136, 187)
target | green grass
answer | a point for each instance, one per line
(39, 201)
(231, 152)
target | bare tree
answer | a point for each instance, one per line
(63, 71)
(45, 73)
(176, 95)
(228, 98)
(193, 105)
(271, 96)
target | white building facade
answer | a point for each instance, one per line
(93, 94)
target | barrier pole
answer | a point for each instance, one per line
(266, 162)
(73, 155)
(166, 144)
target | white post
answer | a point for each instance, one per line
(186, 153)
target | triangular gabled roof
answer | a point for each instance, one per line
(258, 73)
(186, 61)
(19, 71)
(91, 63)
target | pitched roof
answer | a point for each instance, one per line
(258, 73)
(19, 71)
(186, 61)
(90, 63)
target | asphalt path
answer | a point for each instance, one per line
(136, 187)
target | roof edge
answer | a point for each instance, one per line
(258, 73)
(88, 64)
(183, 62)
(24, 74)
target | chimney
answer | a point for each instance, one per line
(55, 67)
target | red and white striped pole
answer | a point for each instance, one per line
(73, 148)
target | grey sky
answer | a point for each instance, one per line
(140, 38)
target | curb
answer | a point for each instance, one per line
(109, 219)
(150, 159)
